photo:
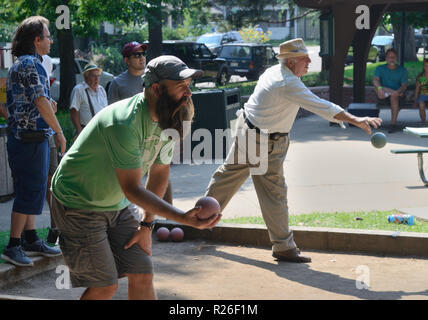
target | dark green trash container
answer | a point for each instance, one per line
(215, 109)
(6, 181)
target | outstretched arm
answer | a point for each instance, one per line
(364, 123)
(130, 182)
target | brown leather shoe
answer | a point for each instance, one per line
(292, 255)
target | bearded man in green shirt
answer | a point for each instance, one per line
(101, 239)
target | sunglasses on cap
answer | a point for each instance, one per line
(139, 54)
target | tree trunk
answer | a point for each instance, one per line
(409, 44)
(155, 29)
(67, 66)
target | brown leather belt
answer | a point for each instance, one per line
(273, 136)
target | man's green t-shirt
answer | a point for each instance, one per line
(123, 136)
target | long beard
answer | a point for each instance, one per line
(172, 113)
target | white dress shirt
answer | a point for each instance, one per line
(79, 101)
(278, 95)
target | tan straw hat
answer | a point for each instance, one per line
(90, 67)
(292, 49)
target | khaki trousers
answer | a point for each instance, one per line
(270, 187)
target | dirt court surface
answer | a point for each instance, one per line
(213, 271)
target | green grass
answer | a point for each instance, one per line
(247, 87)
(315, 79)
(312, 43)
(373, 220)
(4, 238)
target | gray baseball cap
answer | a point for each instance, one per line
(168, 68)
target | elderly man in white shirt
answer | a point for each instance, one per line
(270, 112)
(87, 98)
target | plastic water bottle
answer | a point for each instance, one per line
(402, 218)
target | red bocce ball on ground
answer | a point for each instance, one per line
(162, 234)
(177, 234)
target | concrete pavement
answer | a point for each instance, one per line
(327, 169)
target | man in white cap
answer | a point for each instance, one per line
(101, 239)
(272, 108)
(87, 98)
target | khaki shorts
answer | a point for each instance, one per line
(92, 245)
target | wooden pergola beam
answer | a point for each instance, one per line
(362, 44)
(408, 7)
(344, 29)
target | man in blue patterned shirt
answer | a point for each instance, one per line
(31, 121)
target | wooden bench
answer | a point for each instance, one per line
(420, 153)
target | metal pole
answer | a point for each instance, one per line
(403, 36)
(304, 25)
(424, 42)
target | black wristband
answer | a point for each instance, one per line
(149, 225)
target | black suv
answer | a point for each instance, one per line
(248, 59)
(198, 56)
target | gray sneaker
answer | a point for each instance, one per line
(40, 248)
(17, 256)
